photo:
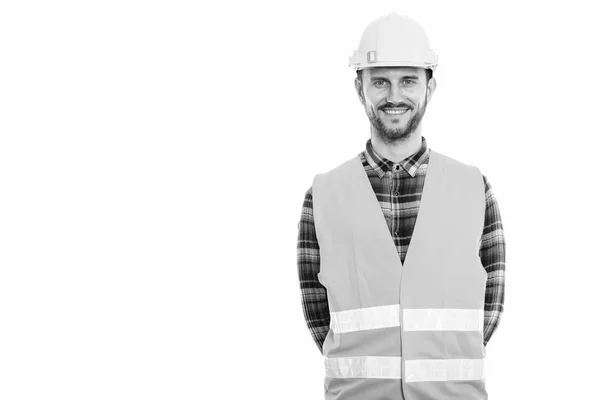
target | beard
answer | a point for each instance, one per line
(393, 135)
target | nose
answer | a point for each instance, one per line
(395, 95)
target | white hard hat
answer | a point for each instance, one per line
(394, 41)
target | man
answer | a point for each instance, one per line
(400, 249)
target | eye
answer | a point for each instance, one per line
(409, 81)
(379, 83)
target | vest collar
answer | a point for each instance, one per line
(373, 220)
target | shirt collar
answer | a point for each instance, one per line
(410, 164)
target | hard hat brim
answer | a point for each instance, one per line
(393, 64)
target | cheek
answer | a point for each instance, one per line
(373, 104)
(372, 97)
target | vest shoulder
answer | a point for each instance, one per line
(339, 170)
(458, 165)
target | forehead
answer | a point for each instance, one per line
(394, 72)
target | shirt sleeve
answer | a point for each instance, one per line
(492, 255)
(313, 293)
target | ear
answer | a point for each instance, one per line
(359, 91)
(431, 85)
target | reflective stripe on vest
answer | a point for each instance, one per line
(416, 370)
(414, 319)
(399, 331)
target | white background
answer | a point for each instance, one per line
(154, 157)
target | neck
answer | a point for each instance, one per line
(398, 150)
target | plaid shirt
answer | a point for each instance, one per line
(398, 188)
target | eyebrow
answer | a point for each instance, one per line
(404, 77)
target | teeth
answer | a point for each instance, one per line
(395, 111)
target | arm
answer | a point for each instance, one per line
(492, 254)
(314, 295)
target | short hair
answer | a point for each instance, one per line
(428, 75)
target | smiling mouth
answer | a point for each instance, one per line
(395, 110)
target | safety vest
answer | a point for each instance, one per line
(411, 330)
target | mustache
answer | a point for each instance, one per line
(400, 105)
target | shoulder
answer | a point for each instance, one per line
(335, 176)
(308, 193)
(340, 169)
(454, 164)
